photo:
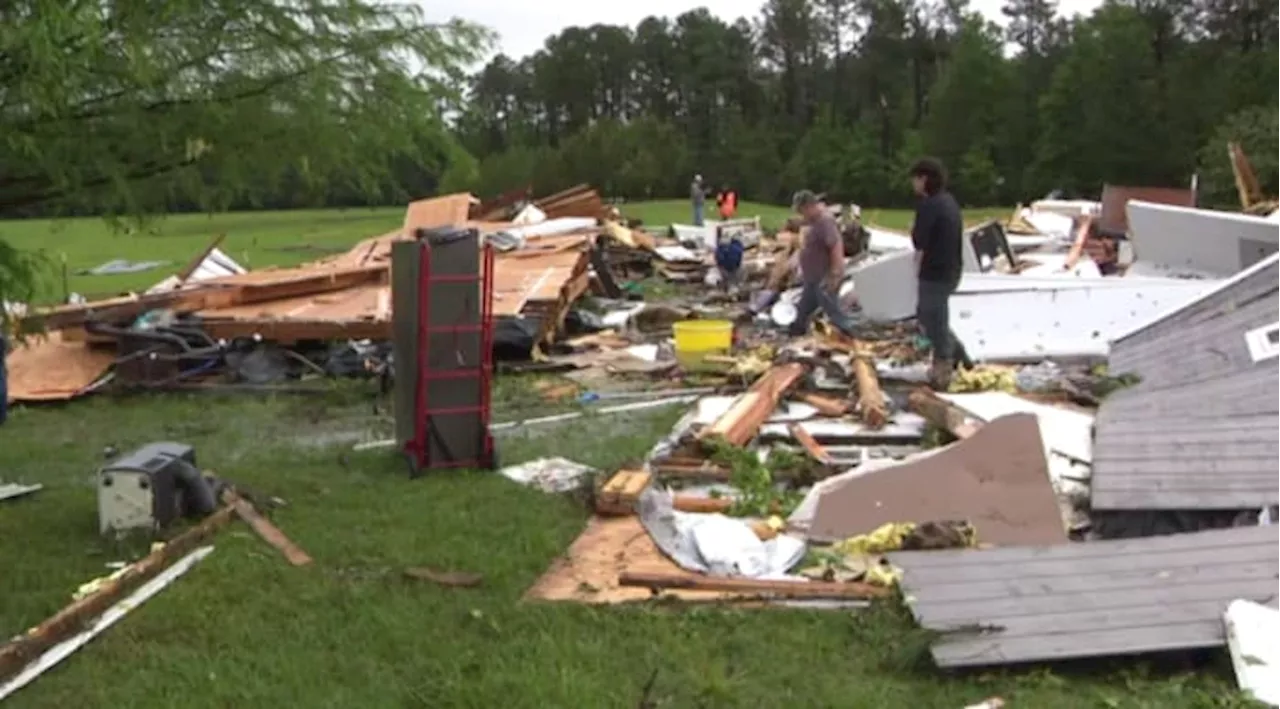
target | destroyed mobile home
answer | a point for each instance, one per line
(1102, 482)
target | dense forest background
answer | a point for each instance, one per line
(109, 109)
(839, 95)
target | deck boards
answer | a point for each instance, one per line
(1028, 604)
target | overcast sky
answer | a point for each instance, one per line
(523, 25)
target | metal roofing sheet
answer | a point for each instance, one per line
(1069, 322)
(1028, 604)
(1202, 240)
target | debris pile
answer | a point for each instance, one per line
(1118, 422)
(1098, 478)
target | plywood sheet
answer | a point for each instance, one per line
(1115, 217)
(446, 210)
(588, 572)
(50, 369)
(1200, 240)
(358, 303)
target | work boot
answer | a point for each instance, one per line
(940, 374)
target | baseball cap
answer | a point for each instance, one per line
(804, 198)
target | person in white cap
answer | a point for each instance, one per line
(697, 195)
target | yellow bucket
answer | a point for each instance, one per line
(695, 339)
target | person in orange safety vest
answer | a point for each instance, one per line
(727, 202)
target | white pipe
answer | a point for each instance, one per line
(62, 650)
(507, 425)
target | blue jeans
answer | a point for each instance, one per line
(697, 215)
(815, 296)
(933, 313)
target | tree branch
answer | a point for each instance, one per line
(52, 194)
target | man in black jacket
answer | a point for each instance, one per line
(938, 237)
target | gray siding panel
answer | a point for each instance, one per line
(1030, 604)
(1182, 350)
(1201, 430)
(1258, 285)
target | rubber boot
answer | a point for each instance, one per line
(940, 374)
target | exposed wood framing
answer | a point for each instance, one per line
(749, 411)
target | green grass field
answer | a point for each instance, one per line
(773, 216)
(258, 239)
(255, 239)
(244, 629)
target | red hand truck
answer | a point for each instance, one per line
(452, 351)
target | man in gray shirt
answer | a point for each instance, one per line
(821, 266)
(698, 195)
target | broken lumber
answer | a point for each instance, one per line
(656, 581)
(290, 283)
(199, 258)
(263, 527)
(750, 410)
(128, 307)
(826, 405)
(941, 413)
(870, 399)
(629, 237)
(780, 272)
(810, 444)
(24, 649)
(452, 579)
(620, 496)
(871, 406)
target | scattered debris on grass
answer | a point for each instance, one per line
(824, 466)
(12, 490)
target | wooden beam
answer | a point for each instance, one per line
(290, 331)
(656, 581)
(870, 398)
(810, 444)
(194, 263)
(739, 424)
(621, 494)
(871, 407)
(301, 283)
(22, 650)
(941, 413)
(270, 533)
(826, 405)
(129, 307)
